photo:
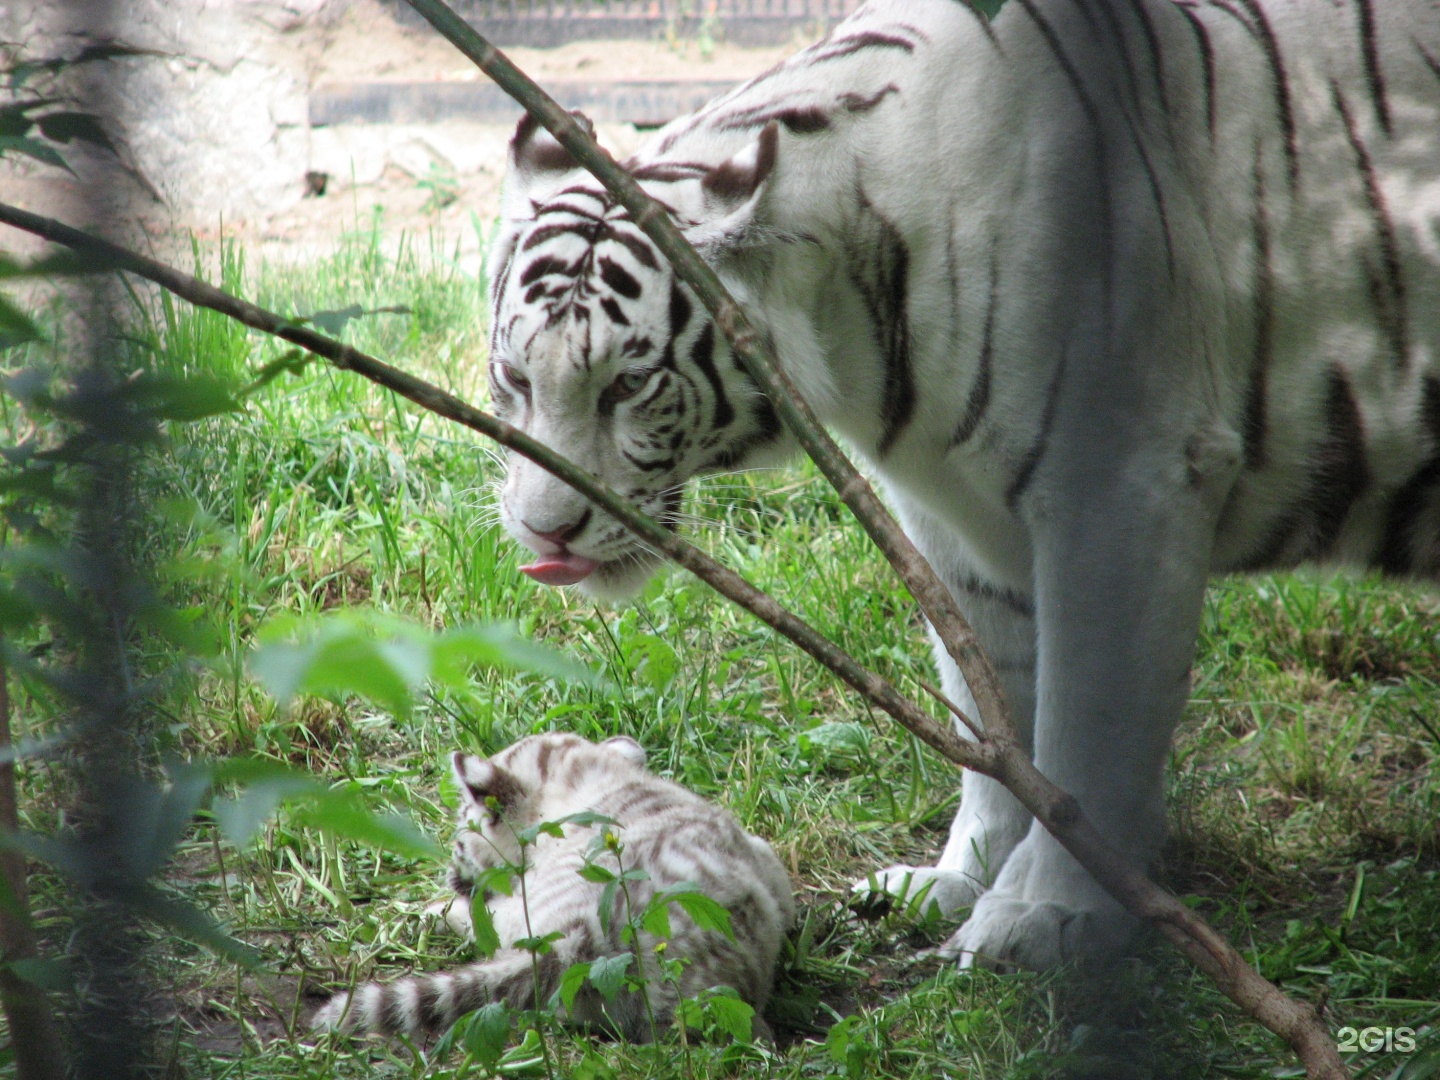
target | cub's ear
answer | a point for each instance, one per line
(537, 165)
(627, 748)
(480, 779)
(734, 183)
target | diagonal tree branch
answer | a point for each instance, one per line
(1294, 1021)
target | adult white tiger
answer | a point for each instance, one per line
(1111, 293)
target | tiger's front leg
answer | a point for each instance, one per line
(1121, 558)
(990, 822)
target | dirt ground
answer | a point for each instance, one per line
(443, 180)
(435, 183)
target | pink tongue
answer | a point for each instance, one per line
(560, 569)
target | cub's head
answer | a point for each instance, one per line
(598, 351)
(519, 787)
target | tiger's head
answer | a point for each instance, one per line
(598, 351)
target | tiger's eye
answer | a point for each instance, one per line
(511, 377)
(626, 385)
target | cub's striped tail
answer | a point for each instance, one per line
(427, 1004)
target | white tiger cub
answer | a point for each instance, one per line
(1111, 294)
(672, 834)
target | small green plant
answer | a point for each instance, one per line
(441, 186)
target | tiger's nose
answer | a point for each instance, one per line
(563, 535)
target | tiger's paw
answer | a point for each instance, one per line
(1005, 932)
(914, 887)
(1044, 911)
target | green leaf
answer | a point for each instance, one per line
(46, 974)
(606, 906)
(705, 913)
(40, 151)
(62, 127)
(528, 1057)
(334, 322)
(607, 974)
(344, 814)
(487, 941)
(988, 8)
(597, 874)
(292, 362)
(655, 919)
(385, 659)
(499, 879)
(732, 1016)
(15, 118)
(654, 662)
(570, 983)
(187, 399)
(190, 922)
(541, 944)
(53, 265)
(485, 1032)
(456, 652)
(16, 328)
(241, 817)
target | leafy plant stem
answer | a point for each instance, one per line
(33, 1033)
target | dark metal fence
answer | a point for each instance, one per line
(544, 23)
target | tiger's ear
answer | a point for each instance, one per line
(538, 163)
(480, 779)
(627, 748)
(735, 182)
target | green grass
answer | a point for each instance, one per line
(1304, 793)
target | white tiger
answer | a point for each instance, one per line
(1112, 294)
(670, 833)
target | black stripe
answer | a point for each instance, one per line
(392, 1016)
(1399, 552)
(1157, 58)
(1026, 473)
(547, 748)
(1011, 599)
(1374, 73)
(1338, 477)
(1159, 196)
(1256, 404)
(1117, 36)
(432, 1017)
(584, 232)
(618, 278)
(1285, 111)
(545, 266)
(612, 309)
(1102, 157)
(980, 391)
(1340, 472)
(846, 46)
(804, 120)
(648, 466)
(679, 312)
(1389, 294)
(637, 246)
(1207, 56)
(1430, 61)
(702, 354)
(878, 265)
